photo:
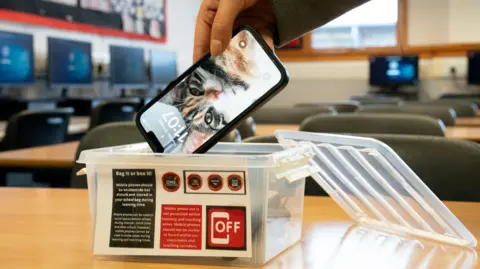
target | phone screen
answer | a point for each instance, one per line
(211, 96)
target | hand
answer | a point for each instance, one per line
(218, 18)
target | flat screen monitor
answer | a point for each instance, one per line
(16, 59)
(474, 68)
(163, 67)
(127, 67)
(393, 70)
(69, 63)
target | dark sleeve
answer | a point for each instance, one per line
(297, 17)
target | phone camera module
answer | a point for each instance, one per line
(243, 44)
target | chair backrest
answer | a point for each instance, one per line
(473, 97)
(37, 128)
(374, 123)
(261, 139)
(81, 107)
(463, 108)
(113, 111)
(448, 166)
(444, 113)
(377, 100)
(107, 135)
(247, 128)
(340, 107)
(287, 114)
(233, 136)
(10, 107)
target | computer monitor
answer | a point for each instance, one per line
(474, 68)
(163, 67)
(393, 71)
(16, 59)
(127, 68)
(69, 63)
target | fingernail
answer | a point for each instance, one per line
(216, 47)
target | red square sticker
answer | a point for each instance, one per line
(226, 228)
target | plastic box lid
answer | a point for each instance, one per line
(376, 188)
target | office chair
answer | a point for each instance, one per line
(374, 123)
(113, 111)
(247, 128)
(106, 135)
(444, 113)
(448, 166)
(472, 97)
(463, 108)
(287, 114)
(36, 128)
(340, 107)
(81, 107)
(373, 100)
(10, 107)
(232, 137)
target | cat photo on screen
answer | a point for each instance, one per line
(214, 94)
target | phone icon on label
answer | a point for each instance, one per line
(226, 227)
(218, 232)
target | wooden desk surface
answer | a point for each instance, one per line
(59, 156)
(50, 228)
(458, 132)
(470, 121)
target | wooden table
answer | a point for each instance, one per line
(77, 125)
(469, 121)
(56, 156)
(50, 228)
(458, 132)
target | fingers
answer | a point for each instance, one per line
(222, 27)
(205, 18)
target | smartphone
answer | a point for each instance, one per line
(209, 100)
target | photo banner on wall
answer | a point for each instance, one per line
(138, 16)
(131, 19)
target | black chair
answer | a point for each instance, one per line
(377, 100)
(441, 112)
(10, 107)
(107, 135)
(448, 166)
(233, 136)
(288, 115)
(472, 97)
(340, 107)
(261, 139)
(374, 123)
(36, 128)
(463, 108)
(113, 111)
(81, 107)
(247, 128)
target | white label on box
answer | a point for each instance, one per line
(186, 212)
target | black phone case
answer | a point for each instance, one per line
(232, 124)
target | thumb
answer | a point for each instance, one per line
(222, 26)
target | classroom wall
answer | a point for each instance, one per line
(430, 22)
(332, 80)
(180, 32)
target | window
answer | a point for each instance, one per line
(374, 24)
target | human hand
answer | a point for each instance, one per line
(218, 18)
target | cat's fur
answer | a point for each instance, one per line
(207, 98)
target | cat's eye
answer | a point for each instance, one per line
(208, 117)
(196, 92)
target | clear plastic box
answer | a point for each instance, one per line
(276, 181)
(364, 176)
